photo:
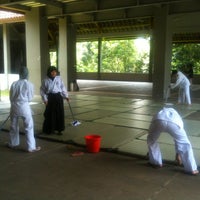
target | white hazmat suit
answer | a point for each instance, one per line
(21, 93)
(184, 88)
(169, 121)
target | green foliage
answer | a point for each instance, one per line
(123, 56)
(184, 54)
(118, 56)
(87, 56)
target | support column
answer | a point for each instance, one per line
(71, 55)
(37, 50)
(6, 54)
(162, 47)
(62, 50)
(99, 57)
(67, 53)
(151, 61)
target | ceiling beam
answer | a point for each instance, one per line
(87, 7)
(24, 2)
(23, 6)
(10, 3)
(16, 8)
(51, 3)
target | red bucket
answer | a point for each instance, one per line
(93, 143)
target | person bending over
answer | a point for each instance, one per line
(169, 121)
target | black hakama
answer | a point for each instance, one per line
(54, 114)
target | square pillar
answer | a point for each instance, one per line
(62, 50)
(6, 54)
(37, 50)
(162, 51)
(67, 52)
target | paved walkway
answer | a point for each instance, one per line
(120, 113)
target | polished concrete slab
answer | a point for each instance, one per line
(124, 122)
(118, 119)
(53, 173)
(95, 114)
(119, 170)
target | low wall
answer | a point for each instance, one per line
(114, 76)
(122, 77)
(6, 81)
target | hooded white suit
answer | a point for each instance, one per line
(169, 121)
(184, 88)
(21, 93)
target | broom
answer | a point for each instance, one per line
(167, 97)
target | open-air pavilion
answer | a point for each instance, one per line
(59, 24)
(120, 111)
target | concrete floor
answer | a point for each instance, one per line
(120, 112)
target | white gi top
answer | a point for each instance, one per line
(181, 81)
(170, 115)
(21, 93)
(55, 86)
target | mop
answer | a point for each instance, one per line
(75, 122)
(167, 96)
(1, 126)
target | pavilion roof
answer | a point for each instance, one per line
(10, 17)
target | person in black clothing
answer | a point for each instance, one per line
(53, 92)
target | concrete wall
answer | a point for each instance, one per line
(114, 76)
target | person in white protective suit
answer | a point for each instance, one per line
(184, 87)
(21, 93)
(169, 121)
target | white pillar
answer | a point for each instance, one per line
(67, 53)
(162, 47)
(6, 53)
(37, 46)
(62, 50)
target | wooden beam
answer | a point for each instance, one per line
(18, 8)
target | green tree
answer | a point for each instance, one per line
(118, 56)
(184, 54)
(87, 56)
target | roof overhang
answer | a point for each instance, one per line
(10, 17)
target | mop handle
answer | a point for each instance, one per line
(4, 122)
(167, 94)
(71, 111)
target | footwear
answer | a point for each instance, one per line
(195, 172)
(34, 150)
(155, 166)
(10, 146)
